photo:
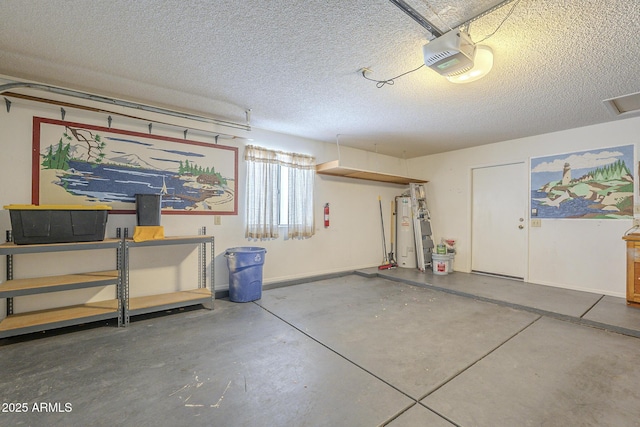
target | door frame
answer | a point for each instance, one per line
(526, 180)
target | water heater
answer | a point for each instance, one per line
(405, 245)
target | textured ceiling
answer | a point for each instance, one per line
(296, 64)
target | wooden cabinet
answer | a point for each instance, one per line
(633, 269)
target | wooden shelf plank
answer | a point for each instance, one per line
(172, 240)
(36, 285)
(57, 317)
(168, 299)
(9, 248)
(335, 169)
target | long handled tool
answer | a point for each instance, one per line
(392, 258)
(385, 260)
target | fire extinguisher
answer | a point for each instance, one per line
(326, 215)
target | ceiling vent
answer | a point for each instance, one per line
(624, 105)
(450, 54)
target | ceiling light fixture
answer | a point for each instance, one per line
(482, 64)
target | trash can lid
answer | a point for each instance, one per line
(245, 249)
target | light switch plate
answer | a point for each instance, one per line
(536, 222)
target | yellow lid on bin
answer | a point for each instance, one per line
(58, 207)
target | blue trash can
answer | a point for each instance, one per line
(245, 273)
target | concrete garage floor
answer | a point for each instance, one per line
(406, 349)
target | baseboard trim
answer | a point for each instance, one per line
(224, 293)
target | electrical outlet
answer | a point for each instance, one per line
(636, 222)
(217, 220)
(536, 222)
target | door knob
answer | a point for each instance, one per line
(521, 226)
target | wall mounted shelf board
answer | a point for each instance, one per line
(334, 168)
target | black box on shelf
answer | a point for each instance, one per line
(148, 209)
(41, 224)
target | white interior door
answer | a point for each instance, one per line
(499, 226)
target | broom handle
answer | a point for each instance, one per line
(393, 223)
(384, 243)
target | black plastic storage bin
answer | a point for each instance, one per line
(31, 224)
(245, 273)
(148, 208)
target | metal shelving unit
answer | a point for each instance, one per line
(41, 320)
(200, 295)
(122, 307)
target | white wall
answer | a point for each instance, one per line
(352, 241)
(578, 254)
(583, 254)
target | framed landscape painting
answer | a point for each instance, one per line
(78, 164)
(591, 184)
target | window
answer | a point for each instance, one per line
(279, 191)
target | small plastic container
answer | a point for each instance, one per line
(41, 224)
(440, 264)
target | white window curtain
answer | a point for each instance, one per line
(263, 169)
(302, 172)
(262, 195)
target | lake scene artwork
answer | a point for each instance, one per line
(83, 164)
(595, 184)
